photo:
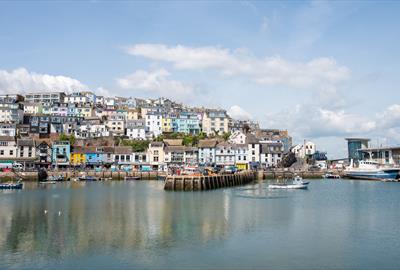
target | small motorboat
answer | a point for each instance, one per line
(389, 180)
(331, 176)
(297, 183)
(11, 185)
(131, 178)
(87, 178)
(47, 182)
(56, 178)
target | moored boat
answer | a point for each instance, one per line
(11, 185)
(331, 176)
(371, 170)
(132, 178)
(297, 183)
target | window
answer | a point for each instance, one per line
(155, 152)
(1, 152)
(155, 159)
(11, 152)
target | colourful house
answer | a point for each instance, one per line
(61, 154)
(94, 157)
(78, 157)
(166, 124)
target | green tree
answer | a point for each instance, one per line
(226, 136)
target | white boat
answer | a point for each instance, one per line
(297, 183)
(371, 170)
(331, 176)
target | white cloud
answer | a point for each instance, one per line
(239, 113)
(21, 81)
(157, 83)
(267, 71)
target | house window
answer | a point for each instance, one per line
(155, 152)
(11, 152)
(1, 152)
(155, 159)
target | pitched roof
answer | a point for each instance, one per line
(123, 150)
(207, 143)
(250, 138)
(7, 138)
(173, 142)
(25, 142)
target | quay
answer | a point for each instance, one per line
(199, 183)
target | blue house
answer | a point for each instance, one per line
(94, 156)
(61, 151)
(187, 123)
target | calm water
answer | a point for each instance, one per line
(121, 225)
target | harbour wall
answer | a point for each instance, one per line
(199, 183)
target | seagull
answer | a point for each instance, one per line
(45, 212)
(59, 213)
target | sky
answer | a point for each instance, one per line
(324, 70)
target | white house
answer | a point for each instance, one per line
(225, 154)
(207, 152)
(271, 154)
(241, 156)
(155, 154)
(306, 149)
(8, 148)
(237, 137)
(254, 150)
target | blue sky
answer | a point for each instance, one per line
(323, 70)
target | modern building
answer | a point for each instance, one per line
(354, 145)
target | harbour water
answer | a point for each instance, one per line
(336, 224)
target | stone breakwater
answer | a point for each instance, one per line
(199, 183)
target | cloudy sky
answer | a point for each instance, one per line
(322, 70)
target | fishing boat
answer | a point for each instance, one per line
(297, 183)
(371, 170)
(11, 185)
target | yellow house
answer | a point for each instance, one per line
(133, 114)
(77, 157)
(166, 124)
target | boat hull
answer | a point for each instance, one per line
(374, 175)
(11, 186)
(302, 186)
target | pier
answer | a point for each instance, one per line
(199, 183)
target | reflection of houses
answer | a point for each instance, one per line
(60, 154)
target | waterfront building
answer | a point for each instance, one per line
(271, 154)
(224, 154)
(179, 155)
(136, 129)
(354, 145)
(94, 156)
(8, 148)
(215, 122)
(241, 154)
(61, 154)
(155, 154)
(45, 97)
(8, 129)
(254, 150)
(123, 156)
(139, 159)
(153, 124)
(43, 154)
(78, 156)
(206, 150)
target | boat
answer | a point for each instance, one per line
(11, 185)
(331, 176)
(132, 178)
(297, 183)
(87, 178)
(371, 170)
(55, 178)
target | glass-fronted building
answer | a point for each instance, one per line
(353, 147)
